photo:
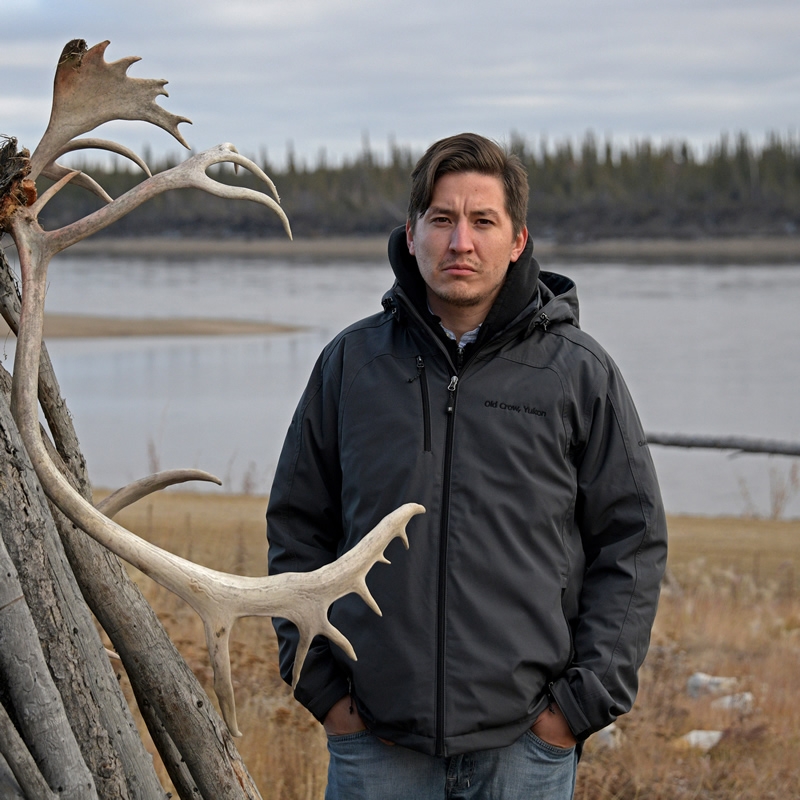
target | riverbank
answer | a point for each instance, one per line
(77, 326)
(741, 250)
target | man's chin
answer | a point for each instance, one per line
(460, 300)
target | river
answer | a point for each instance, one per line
(704, 350)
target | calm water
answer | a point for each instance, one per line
(704, 350)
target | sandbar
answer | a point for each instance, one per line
(74, 326)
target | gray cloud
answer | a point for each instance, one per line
(324, 72)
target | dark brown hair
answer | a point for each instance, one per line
(469, 152)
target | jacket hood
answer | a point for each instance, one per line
(525, 290)
(559, 299)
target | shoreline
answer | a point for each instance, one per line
(741, 250)
(737, 250)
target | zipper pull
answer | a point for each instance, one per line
(550, 698)
(452, 389)
(420, 368)
(390, 305)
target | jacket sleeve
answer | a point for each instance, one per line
(624, 535)
(304, 529)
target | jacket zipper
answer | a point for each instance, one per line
(459, 368)
(442, 593)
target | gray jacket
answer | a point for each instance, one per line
(534, 573)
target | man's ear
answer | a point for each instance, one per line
(520, 240)
(410, 237)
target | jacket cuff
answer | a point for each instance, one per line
(581, 725)
(323, 703)
(321, 699)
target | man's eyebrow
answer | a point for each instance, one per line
(485, 212)
(439, 210)
(478, 212)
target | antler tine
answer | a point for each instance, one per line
(89, 91)
(221, 598)
(188, 174)
(127, 495)
(102, 144)
(55, 172)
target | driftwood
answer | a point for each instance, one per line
(742, 444)
(41, 718)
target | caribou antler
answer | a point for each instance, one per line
(89, 91)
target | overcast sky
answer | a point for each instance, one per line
(325, 73)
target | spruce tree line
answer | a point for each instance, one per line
(584, 192)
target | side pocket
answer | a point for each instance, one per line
(550, 751)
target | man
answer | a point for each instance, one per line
(514, 626)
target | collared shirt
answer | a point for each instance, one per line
(467, 338)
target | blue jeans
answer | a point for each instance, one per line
(363, 768)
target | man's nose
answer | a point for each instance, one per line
(461, 239)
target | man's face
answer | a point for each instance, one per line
(464, 242)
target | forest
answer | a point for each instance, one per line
(578, 192)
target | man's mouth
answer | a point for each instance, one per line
(459, 269)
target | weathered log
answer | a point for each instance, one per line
(24, 779)
(742, 444)
(9, 788)
(39, 711)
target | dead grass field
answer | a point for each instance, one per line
(730, 608)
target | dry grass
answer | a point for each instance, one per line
(731, 607)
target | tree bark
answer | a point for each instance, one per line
(39, 711)
(68, 636)
(24, 779)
